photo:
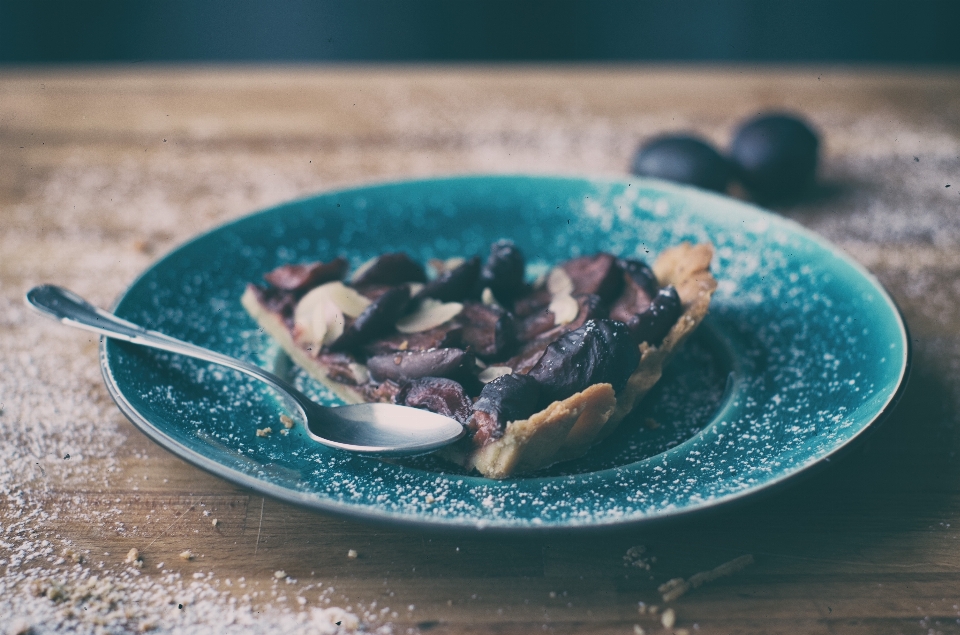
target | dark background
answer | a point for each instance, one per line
(877, 31)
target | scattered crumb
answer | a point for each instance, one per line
(635, 558)
(553, 595)
(262, 432)
(681, 631)
(430, 499)
(215, 522)
(286, 421)
(654, 609)
(280, 575)
(186, 555)
(673, 589)
(669, 618)
(352, 553)
(642, 608)
(638, 630)
(133, 557)
(284, 432)
(70, 554)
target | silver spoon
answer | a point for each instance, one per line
(370, 428)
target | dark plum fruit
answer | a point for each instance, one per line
(406, 365)
(302, 278)
(595, 275)
(489, 331)
(507, 398)
(436, 394)
(454, 285)
(447, 335)
(601, 351)
(775, 156)
(389, 269)
(503, 272)
(683, 159)
(652, 325)
(376, 320)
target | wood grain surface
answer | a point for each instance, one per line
(104, 170)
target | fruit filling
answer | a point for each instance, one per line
(477, 342)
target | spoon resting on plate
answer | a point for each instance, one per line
(369, 428)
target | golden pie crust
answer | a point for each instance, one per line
(565, 429)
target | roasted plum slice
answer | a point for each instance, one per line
(376, 320)
(504, 271)
(531, 303)
(641, 273)
(402, 366)
(598, 275)
(436, 394)
(389, 269)
(488, 330)
(640, 287)
(506, 398)
(447, 335)
(454, 285)
(543, 324)
(302, 278)
(601, 351)
(652, 325)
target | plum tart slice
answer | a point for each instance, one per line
(538, 372)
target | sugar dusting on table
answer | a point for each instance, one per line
(60, 432)
(101, 223)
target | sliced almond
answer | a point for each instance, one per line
(492, 372)
(319, 316)
(559, 282)
(564, 309)
(488, 298)
(335, 325)
(362, 269)
(347, 299)
(431, 313)
(452, 263)
(310, 317)
(442, 266)
(360, 373)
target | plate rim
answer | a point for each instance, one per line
(422, 522)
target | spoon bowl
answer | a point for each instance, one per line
(370, 428)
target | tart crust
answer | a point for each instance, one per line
(565, 429)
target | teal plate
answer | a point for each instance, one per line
(802, 351)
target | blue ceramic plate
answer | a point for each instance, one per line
(803, 350)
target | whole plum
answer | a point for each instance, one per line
(684, 159)
(775, 156)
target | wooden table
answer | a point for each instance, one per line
(102, 171)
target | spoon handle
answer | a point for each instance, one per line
(71, 309)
